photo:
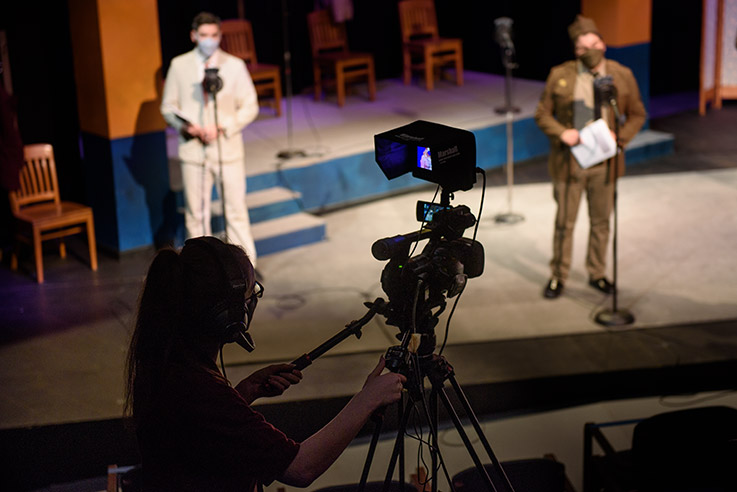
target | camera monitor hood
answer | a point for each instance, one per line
(431, 151)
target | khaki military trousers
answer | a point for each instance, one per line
(599, 195)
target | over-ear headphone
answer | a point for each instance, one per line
(228, 316)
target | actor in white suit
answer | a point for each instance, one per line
(188, 108)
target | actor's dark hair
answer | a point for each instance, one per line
(205, 18)
(174, 320)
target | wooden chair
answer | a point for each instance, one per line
(237, 39)
(422, 47)
(39, 212)
(330, 54)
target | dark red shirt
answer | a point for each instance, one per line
(202, 435)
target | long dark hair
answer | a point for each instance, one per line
(174, 313)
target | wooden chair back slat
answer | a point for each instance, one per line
(38, 181)
(325, 35)
(417, 19)
(237, 39)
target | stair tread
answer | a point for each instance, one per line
(270, 195)
(288, 223)
(647, 137)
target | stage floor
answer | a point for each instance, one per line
(63, 343)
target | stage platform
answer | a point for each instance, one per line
(336, 165)
(63, 343)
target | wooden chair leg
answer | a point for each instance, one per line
(112, 479)
(92, 244)
(340, 84)
(407, 60)
(459, 68)
(14, 257)
(62, 248)
(429, 71)
(38, 254)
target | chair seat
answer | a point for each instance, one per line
(49, 214)
(345, 58)
(438, 45)
(260, 71)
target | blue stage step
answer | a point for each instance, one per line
(272, 203)
(277, 222)
(290, 231)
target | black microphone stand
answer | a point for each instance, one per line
(213, 84)
(615, 316)
(289, 152)
(509, 109)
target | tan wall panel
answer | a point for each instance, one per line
(131, 53)
(621, 22)
(88, 74)
(117, 60)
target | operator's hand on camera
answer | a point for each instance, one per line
(570, 137)
(270, 381)
(383, 389)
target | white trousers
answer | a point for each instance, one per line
(198, 179)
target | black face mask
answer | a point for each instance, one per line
(591, 57)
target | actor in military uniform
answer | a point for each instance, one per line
(565, 107)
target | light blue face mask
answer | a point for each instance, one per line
(207, 46)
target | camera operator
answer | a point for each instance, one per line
(195, 431)
(566, 106)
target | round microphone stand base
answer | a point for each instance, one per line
(609, 317)
(509, 218)
(506, 109)
(291, 154)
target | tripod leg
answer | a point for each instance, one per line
(405, 411)
(436, 454)
(469, 446)
(477, 427)
(379, 421)
(435, 445)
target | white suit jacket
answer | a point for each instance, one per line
(237, 104)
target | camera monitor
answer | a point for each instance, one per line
(431, 151)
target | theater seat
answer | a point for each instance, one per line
(527, 475)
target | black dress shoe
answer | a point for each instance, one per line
(554, 289)
(603, 285)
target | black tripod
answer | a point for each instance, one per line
(416, 367)
(438, 371)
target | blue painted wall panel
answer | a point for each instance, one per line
(637, 58)
(129, 190)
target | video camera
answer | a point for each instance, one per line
(418, 284)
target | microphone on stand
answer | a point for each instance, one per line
(606, 91)
(212, 81)
(503, 33)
